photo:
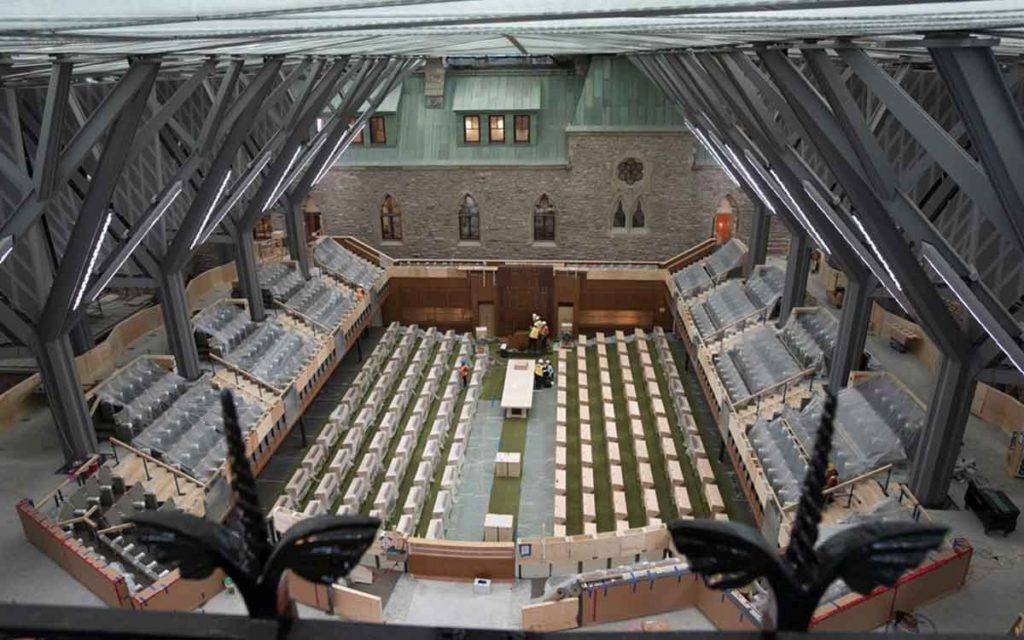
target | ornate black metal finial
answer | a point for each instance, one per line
(322, 549)
(731, 555)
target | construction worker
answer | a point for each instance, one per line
(549, 374)
(464, 373)
(534, 333)
(538, 374)
(544, 333)
(831, 478)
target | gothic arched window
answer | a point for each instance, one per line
(390, 219)
(639, 219)
(544, 220)
(469, 219)
(619, 216)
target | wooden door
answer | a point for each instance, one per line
(522, 291)
(485, 317)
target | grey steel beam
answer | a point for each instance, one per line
(676, 81)
(174, 306)
(49, 145)
(848, 350)
(178, 324)
(80, 335)
(1001, 376)
(16, 327)
(136, 234)
(939, 444)
(270, 188)
(952, 157)
(166, 111)
(757, 243)
(222, 101)
(86, 239)
(64, 395)
(338, 131)
(798, 263)
(295, 235)
(993, 124)
(248, 280)
(872, 211)
(206, 199)
(101, 119)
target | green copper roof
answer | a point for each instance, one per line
(616, 94)
(497, 93)
(612, 96)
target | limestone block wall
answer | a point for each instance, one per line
(679, 202)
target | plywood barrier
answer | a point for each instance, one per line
(725, 609)
(637, 599)
(998, 408)
(854, 612)
(557, 555)
(460, 560)
(551, 616)
(885, 324)
(73, 557)
(174, 593)
(356, 605)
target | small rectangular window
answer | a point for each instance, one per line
(497, 126)
(471, 129)
(522, 134)
(378, 134)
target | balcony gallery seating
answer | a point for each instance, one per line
(269, 350)
(177, 420)
(341, 262)
(704, 274)
(731, 304)
(810, 335)
(320, 299)
(755, 361)
(877, 423)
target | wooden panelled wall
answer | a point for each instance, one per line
(452, 300)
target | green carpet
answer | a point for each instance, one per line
(630, 472)
(574, 471)
(662, 484)
(602, 474)
(693, 483)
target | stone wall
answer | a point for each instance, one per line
(679, 202)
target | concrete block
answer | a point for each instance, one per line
(559, 509)
(651, 502)
(616, 476)
(675, 474)
(682, 498)
(646, 474)
(642, 454)
(561, 398)
(614, 456)
(560, 457)
(586, 455)
(659, 408)
(589, 508)
(585, 436)
(634, 409)
(609, 411)
(707, 476)
(668, 448)
(584, 412)
(561, 438)
(619, 502)
(714, 498)
(630, 389)
(588, 480)
(560, 483)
